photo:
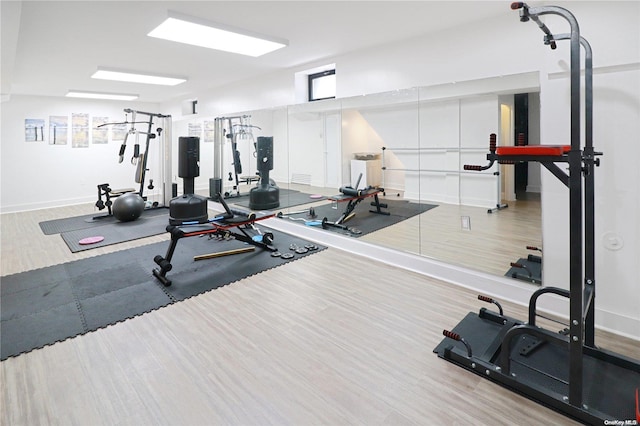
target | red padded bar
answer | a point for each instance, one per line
(544, 150)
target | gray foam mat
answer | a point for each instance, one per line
(288, 198)
(47, 305)
(58, 226)
(365, 221)
(117, 232)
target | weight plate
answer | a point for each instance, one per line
(276, 254)
(287, 255)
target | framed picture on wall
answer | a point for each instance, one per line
(80, 130)
(99, 135)
(34, 129)
(195, 129)
(209, 130)
(58, 129)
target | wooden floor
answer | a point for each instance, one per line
(493, 241)
(330, 339)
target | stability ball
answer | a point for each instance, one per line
(128, 207)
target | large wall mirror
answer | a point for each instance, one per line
(414, 144)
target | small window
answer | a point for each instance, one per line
(322, 85)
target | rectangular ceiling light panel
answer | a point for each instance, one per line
(133, 77)
(99, 95)
(198, 32)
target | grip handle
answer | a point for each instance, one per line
(517, 5)
(485, 298)
(121, 154)
(458, 338)
(492, 142)
(451, 335)
(472, 167)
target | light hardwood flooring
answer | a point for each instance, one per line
(493, 241)
(332, 338)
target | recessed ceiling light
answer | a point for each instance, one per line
(99, 95)
(199, 32)
(136, 77)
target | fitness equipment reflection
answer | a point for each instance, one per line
(221, 227)
(564, 370)
(139, 160)
(266, 195)
(527, 269)
(233, 128)
(353, 196)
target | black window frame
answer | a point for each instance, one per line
(315, 76)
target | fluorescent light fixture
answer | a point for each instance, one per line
(99, 95)
(136, 77)
(199, 32)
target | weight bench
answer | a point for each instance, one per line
(353, 197)
(221, 226)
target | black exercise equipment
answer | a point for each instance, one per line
(353, 197)
(564, 370)
(221, 227)
(231, 128)
(190, 207)
(266, 195)
(138, 159)
(128, 207)
(527, 269)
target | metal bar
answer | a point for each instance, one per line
(440, 171)
(223, 253)
(557, 172)
(167, 190)
(576, 340)
(534, 299)
(589, 185)
(436, 148)
(150, 114)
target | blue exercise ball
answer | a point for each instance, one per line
(128, 207)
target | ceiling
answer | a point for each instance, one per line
(50, 47)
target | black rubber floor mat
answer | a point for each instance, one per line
(117, 232)
(58, 226)
(364, 222)
(288, 198)
(47, 305)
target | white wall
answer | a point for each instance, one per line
(501, 46)
(504, 46)
(38, 174)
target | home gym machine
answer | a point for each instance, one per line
(266, 195)
(139, 159)
(563, 370)
(232, 128)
